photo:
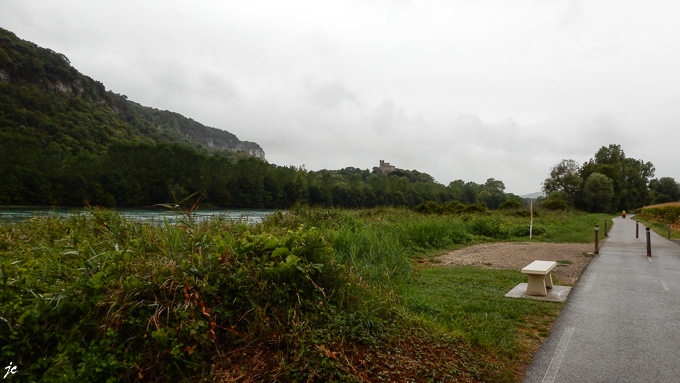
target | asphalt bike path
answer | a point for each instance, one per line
(621, 322)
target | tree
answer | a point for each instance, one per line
(301, 191)
(564, 177)
(636, 176)
(494, 185)
(492, 193)
(511, 204)
(663, 190)
(629, 176)
(457, 189)
(470, 192)
(598, 192)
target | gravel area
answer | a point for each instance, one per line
(570, 257)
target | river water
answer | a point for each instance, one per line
(251, 216)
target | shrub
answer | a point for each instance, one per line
(100, 298)
(476, 208)
(525, 213)
(556, 204)
(453, 207)
(429, 207)
(489, 227)
(510, 204)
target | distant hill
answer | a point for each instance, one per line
(533, 195)
(43, 96)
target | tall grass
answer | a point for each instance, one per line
(571, 227)
(380, 244)
(307, 295)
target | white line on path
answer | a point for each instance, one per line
(665, 286)
(551, 373)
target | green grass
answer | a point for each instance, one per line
(466, 302)
(573, 227)
(470, 302)
(660, 228)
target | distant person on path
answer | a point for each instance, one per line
(623, 214)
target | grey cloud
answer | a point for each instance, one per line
(216, 85)
(387, 118)
(384, 119)
(332, 94)
(456, 89)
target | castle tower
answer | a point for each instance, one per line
(385, 167)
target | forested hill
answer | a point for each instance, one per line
(43, 97)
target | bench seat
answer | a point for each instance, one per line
(540, 277)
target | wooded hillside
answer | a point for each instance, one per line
(44, 97)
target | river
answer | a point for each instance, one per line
(17, 214)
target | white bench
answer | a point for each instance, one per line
(539, 277)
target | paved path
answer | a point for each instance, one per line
(621, 322)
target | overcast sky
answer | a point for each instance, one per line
(459, 89)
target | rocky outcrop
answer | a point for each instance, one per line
(252, 148)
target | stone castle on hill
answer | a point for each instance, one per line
(385, 167)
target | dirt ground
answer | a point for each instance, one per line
(516, 255)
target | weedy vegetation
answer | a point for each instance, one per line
(658, 217)
(307, 295)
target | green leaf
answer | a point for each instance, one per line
(292, 260)
(96, 280)
(272, 244)
(280, 252)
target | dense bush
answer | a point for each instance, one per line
(491, 227)
(525, 213)
(450, 207)
(160, 303)
(555, 204)
(510, 204)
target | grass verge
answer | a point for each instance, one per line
(470, 302)
(660, 228)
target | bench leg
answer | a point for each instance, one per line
(536, 285)
(548, 280)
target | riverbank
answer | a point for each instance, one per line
(307, 295)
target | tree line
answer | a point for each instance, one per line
(609, 181)
(145, 173)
